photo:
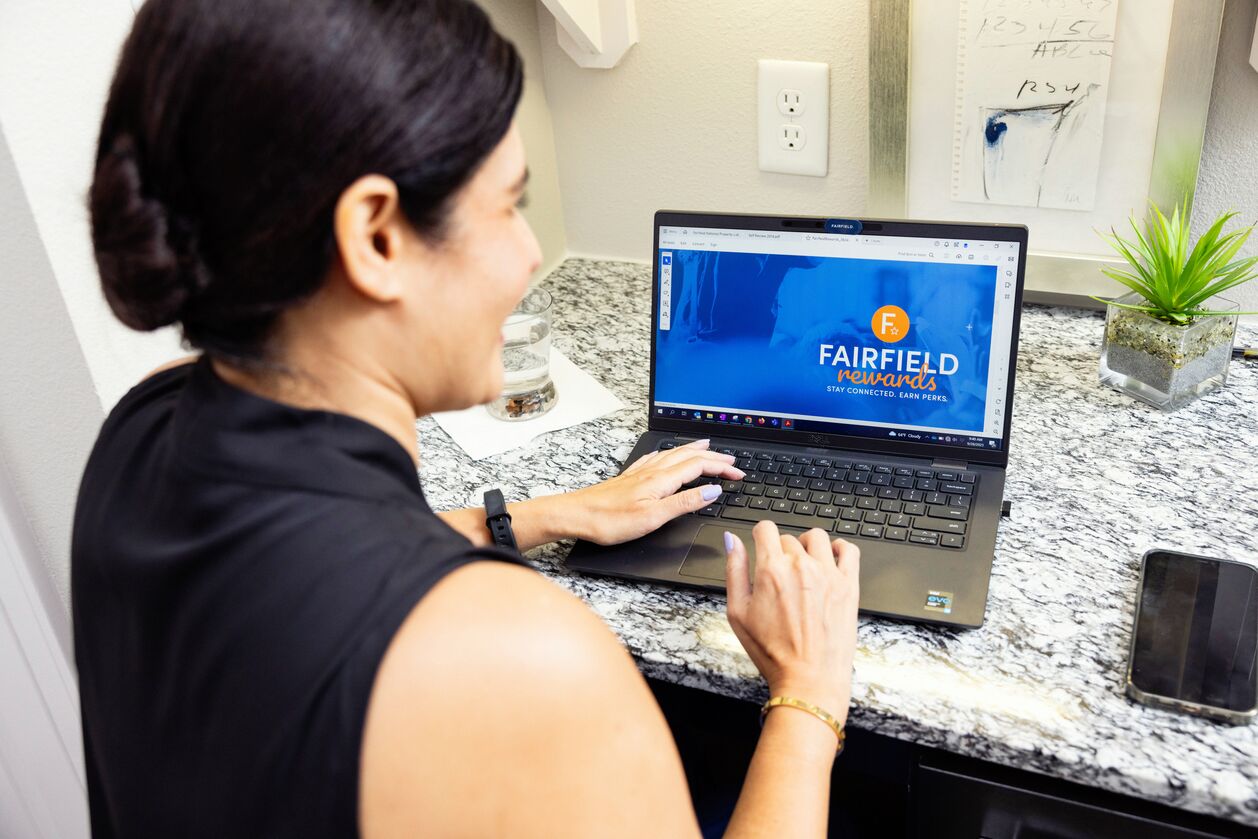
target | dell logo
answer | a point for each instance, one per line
(819, 439)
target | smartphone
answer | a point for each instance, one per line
(1194, 647)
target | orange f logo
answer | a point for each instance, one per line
(890, 324)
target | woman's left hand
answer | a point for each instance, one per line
(645, 495)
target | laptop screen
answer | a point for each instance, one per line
(855, 334)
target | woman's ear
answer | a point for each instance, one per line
(370, 231)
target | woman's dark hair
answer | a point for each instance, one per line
(233, 126)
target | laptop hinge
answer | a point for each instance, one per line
(950, 464)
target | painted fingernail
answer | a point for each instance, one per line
(710, 492)
(729, 542)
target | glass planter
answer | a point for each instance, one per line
(1165, 365)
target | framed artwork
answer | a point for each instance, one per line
(1068, 116)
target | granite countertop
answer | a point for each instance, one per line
(1095, 480)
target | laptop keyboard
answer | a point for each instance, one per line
(847, 496)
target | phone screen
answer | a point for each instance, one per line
(1197, 631)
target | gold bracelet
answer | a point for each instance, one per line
(820, 713)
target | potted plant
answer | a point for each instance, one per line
(1170, 339)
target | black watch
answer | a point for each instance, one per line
(498, 520)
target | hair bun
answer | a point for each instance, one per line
(146, 279)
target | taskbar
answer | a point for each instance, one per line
(768, 422)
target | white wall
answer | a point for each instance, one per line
(56, 61)
(1229, 163)
(673, 126)
(517, 21)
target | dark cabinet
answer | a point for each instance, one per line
(956, 803)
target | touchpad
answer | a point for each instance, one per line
(706, 557)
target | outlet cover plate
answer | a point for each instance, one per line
(811, 80)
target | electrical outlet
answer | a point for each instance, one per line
(794, 116)
(791, 137)
(790, 102)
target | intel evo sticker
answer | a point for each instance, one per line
(939, 601)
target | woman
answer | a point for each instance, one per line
(275, 635)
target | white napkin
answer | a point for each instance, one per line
(580, 399)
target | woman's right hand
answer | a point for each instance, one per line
(796, 616)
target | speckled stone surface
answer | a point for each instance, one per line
(1095, 479)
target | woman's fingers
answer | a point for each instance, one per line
(737, 578)
(697, 465)
(848, 557)
(816, 543)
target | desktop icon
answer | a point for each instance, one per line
(773, 422)
(698, 415)
(708, 415)
(723, 417)
(788, 423)
(759, 420)
(735, 417)
(747, 420)
(659, 410)
(890, 433)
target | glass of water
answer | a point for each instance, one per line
(527, 389)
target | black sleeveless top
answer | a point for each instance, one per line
(238, 569)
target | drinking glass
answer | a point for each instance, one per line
(527, 389)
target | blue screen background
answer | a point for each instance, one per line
(746, 329)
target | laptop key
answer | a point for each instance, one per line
(797, 494)
(946, 476)
(880, 480)
(923, 537)
(805, 508)
(967, 477)
(939, 525)
(926, 485)
(803, 461)
(828, 511)
(914, 495)
(858, 477)
(867, 503)
(847, 528)
(955, 513)
(791, 469)
(797, 483)
(820, 497)
(874, 517)
(899, 534)
(726, 450)
(759, 504)
(872, 531)
(904, 470)
(902, 483)
(753, 478)
(763, 456)
(886, 470)
(782, 506)
(889, 493)
(914, 509)
(747, 453)
(923, 473)
(936, 498)
(819, 485)
(711, 510)
(959, 501)
(775, 480)
(814, 472)
(823, 462)
(782, 458)
(866, 490)
(862, 467)
(768, 467)
(778, 516)
(900, 520)
(841, 486)
(891, 506)
(775, 492)
(668, 444)
(852, 514)
(753, 489)
(744, 463)
(737, 501)
(956, 488)
(948, 540)
(732, 486)
(836, 474)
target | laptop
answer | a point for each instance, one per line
(861, 372)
